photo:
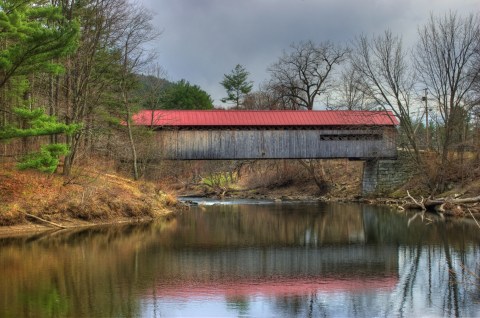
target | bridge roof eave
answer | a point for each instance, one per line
(197, 119)
(266, 127)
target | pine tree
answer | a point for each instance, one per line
(37, 123)
(237, 85)
(31, 37)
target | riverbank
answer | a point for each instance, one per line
(451, 206)
(96, 194)
(33, 201)
(344, 185)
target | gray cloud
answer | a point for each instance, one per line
(204, 39)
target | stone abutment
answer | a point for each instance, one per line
(383, 176)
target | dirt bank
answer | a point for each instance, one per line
(34, 201)
(31, 228)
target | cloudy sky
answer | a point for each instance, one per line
(202, 40)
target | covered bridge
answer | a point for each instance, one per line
(225, 134)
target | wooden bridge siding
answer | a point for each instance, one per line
(271, 144)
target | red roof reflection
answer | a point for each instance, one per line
(281, 287)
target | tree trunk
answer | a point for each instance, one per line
(133, 149)
(321, 183)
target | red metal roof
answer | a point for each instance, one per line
(209, 118)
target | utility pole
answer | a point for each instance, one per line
(424, 98)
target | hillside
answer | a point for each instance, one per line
(88, 197)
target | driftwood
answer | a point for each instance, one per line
(444, 206)
(415, 204)
(441, 201)
(45, 221)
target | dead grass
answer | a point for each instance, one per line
(456, 177)
(288, 178)
(89, 195)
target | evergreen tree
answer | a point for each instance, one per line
(31, 37)
(237, 85)
(37, 123)
(183, 95)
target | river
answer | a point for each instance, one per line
(249, 259)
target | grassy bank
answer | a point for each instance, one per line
(89, 196)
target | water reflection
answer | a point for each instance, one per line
(248, 260)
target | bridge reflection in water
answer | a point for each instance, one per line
(264, 255)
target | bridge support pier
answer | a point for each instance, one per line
(370, 177)
(382, 176)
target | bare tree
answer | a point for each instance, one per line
(268, 97)
(446, 59)
(136, 32)
(79, 92)
(153, 84)
(386, 78)
(284, 97)
(304, 73)
(475, 101)
(259, 100)
(347, 93)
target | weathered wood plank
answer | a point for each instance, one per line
(276, 144)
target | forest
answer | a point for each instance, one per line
(72, 74)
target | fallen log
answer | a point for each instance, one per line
(45, 221)
(439, 201)
(442, 206)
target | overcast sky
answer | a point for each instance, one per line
(202, 40)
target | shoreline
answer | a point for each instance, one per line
(18, 230)
(32, 228)
(453, 211)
